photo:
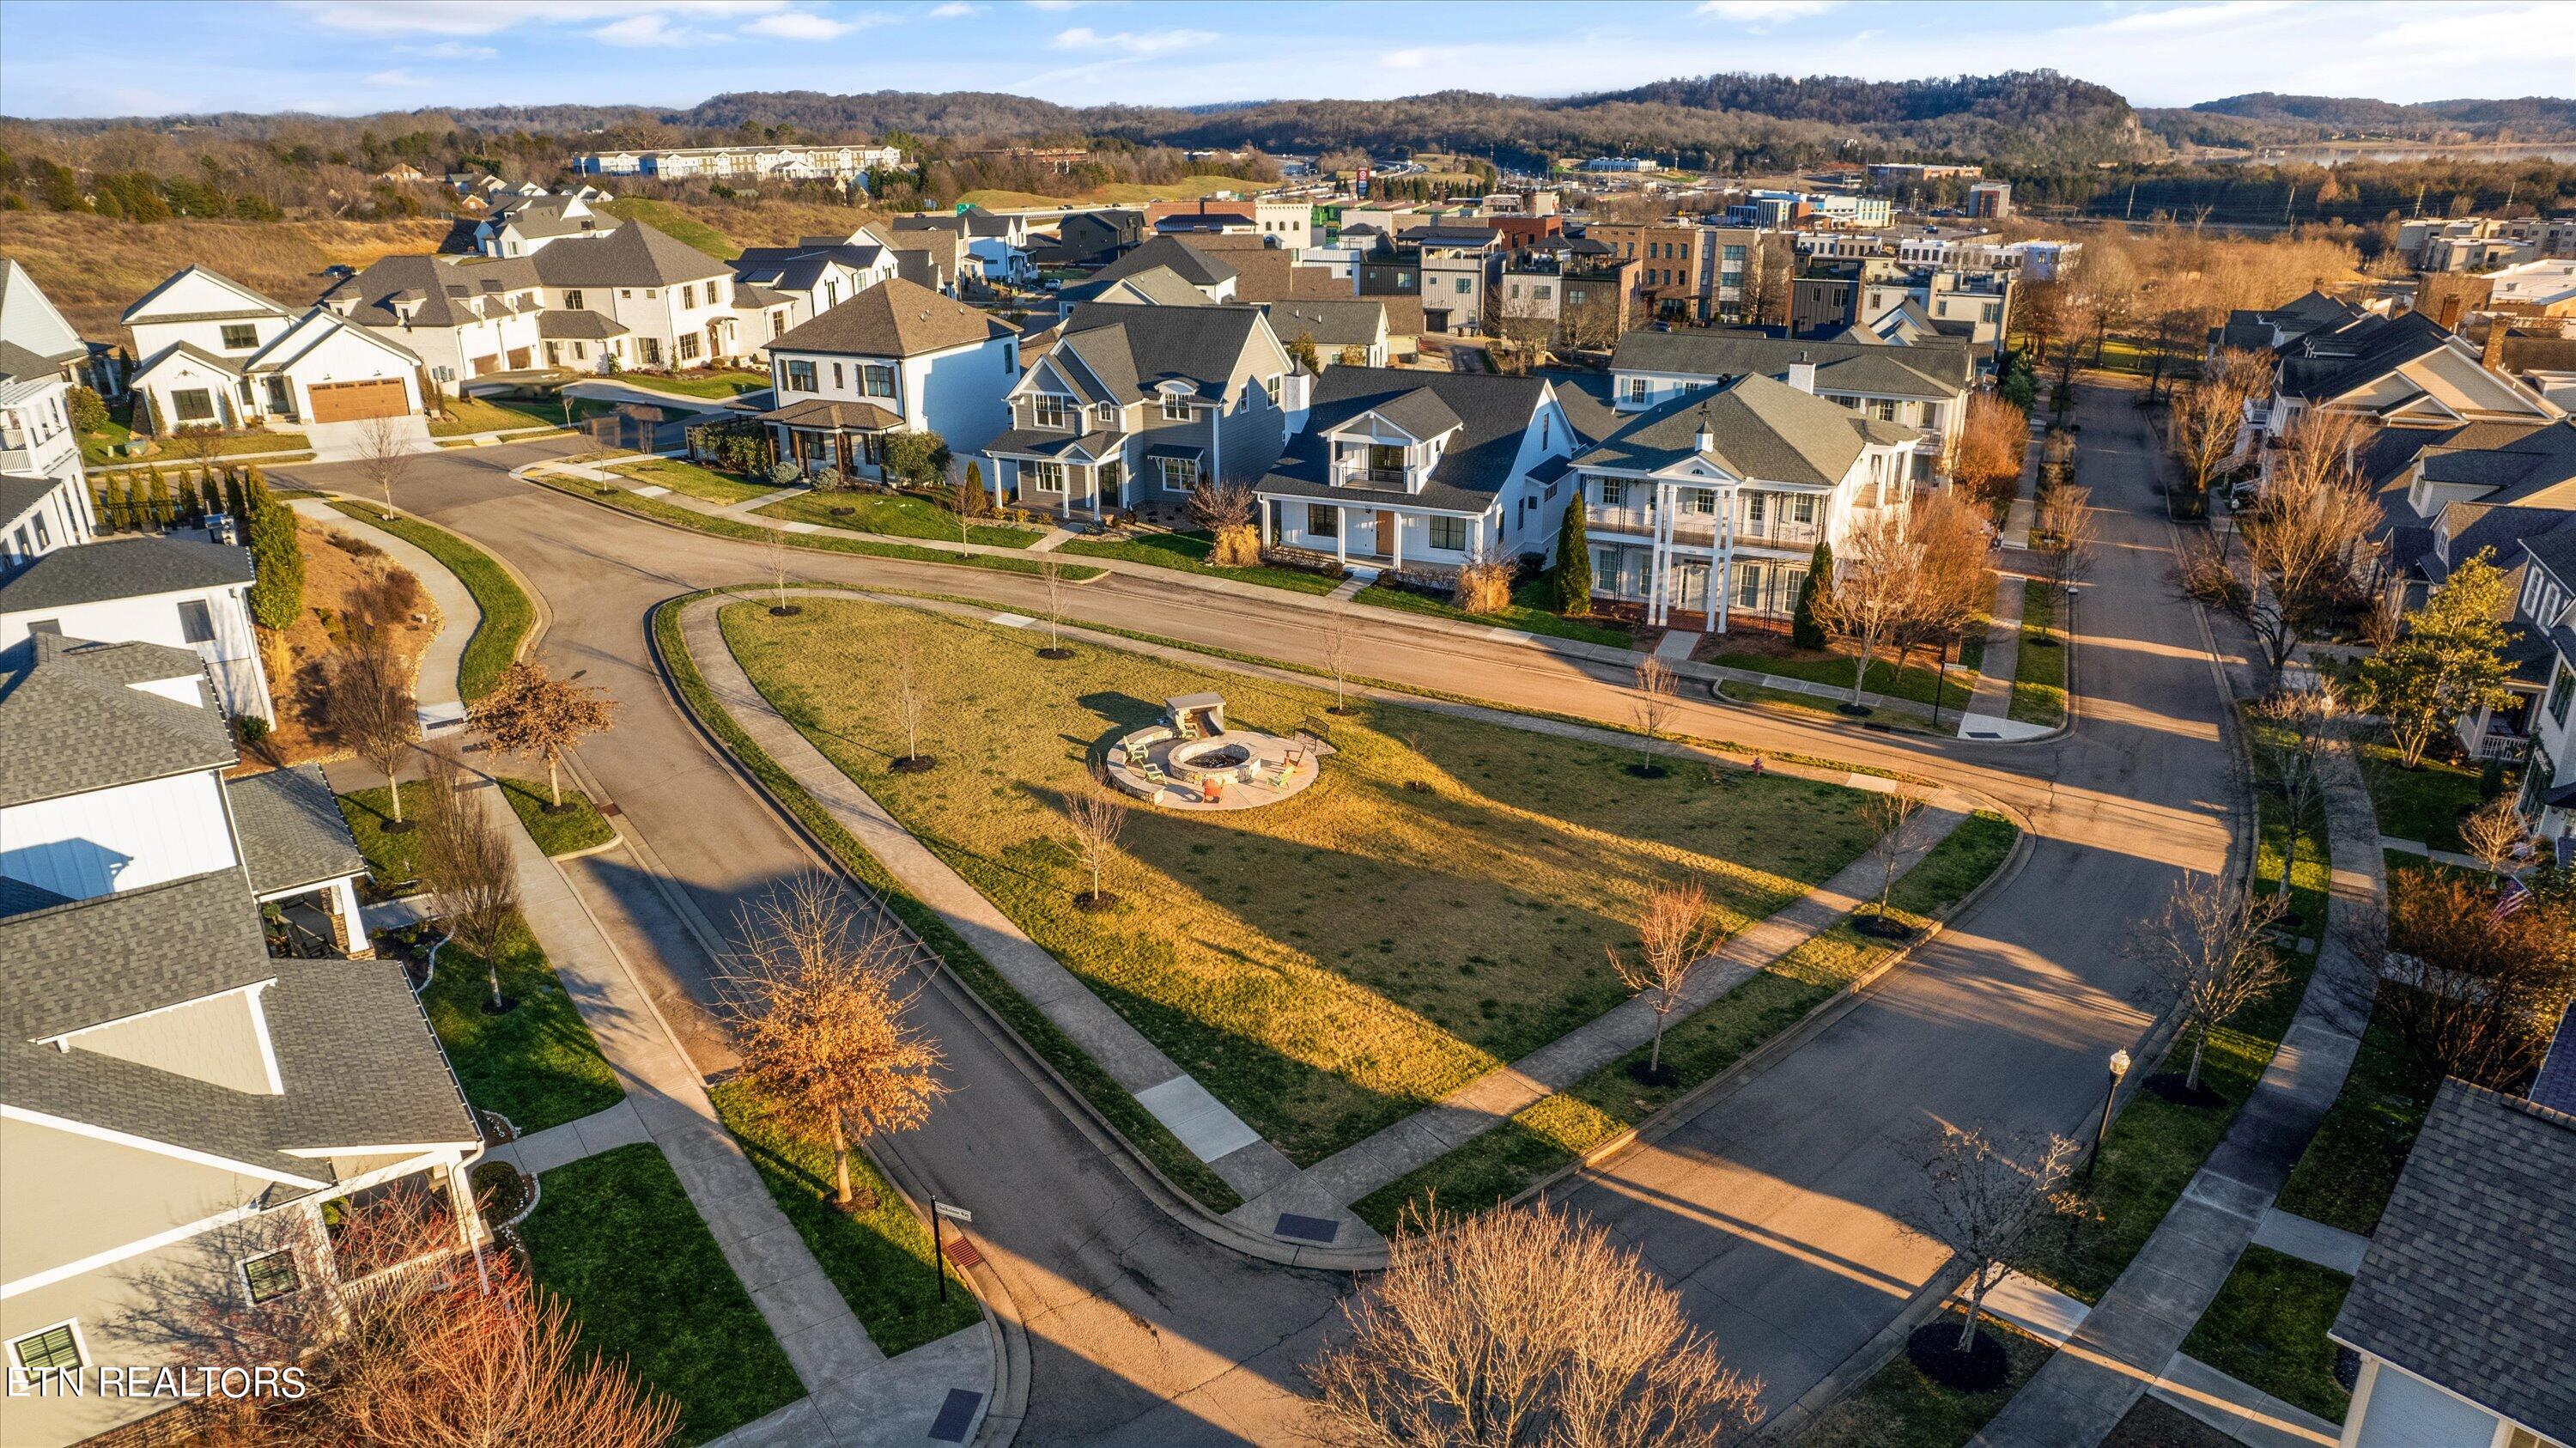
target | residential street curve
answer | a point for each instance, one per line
(1773, 1207)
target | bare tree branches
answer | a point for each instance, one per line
(911, 700)
(1051, 574)
(1877, 585)
(368, 706)
(1225, 510)
(1983, 1199)
(811, 996)
(1337, 638)
(465, 861)
(1523, 1327)
(384, 455)
(2496, 834)
(1993, 436)
(2480, 978)
(1889, 812)
(2065, 536)
(1096, 817)
(1651, 703)
(2210, 956)
(1675, 935)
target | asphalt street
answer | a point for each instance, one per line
(1774, 1207)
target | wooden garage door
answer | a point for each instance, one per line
(349, 401)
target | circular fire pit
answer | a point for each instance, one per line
(1197, 761)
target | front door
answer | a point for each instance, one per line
(1386, 531)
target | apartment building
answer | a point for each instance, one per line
(750, 163)
(2475, 243)
(1830, 298)
(1990, 200)
(1686, 272)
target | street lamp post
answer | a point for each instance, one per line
(2119, 1066)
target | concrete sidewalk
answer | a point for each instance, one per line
(2136, 1331)
(1993, 696)
(440, 704)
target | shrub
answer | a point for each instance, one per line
(88, 412)
(1484, 586)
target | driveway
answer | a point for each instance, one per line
(339, 442)
(1773, 1208)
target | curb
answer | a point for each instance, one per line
(1184, 1209)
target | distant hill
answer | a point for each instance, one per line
(2268, 117)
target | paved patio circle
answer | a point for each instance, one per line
(1245, 768)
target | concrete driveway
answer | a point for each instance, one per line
(1774, 1208)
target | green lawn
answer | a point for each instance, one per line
(496, 414)
(95, 446)
(698, 384)
(902, 515)
(662, 216)
(106, 445)
(1148, 1136)
(1888, 715)
(615, 1236)
(537, 1064)
(1188, 553)
(507, 612)
(2156, 1145)
(2039, 672)
(2345, 1177)
(880, 1260)
(2418, 804)
(696, 481)
(1281, 955)
(392, 855)
(580, 827)
(1527, 613)
(1900, 1408)
(1915, 682)
(1500, 1164)
(659, 511)
(2267, 1327)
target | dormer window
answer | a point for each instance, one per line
(1051, 411)
(240, 336)
(1176, 407)
(572, 301)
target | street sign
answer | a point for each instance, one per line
(952, 1211)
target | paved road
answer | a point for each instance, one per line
(1772, 1207)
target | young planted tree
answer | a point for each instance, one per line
(1096, 817)
(384, 456)
(1518, 1328)
(1337, 639)
(2208, 418)
(1675, 936)
(1889, 812)
(1225, 510)
(1650, 704)
(1878, 585)
(2065, 537)
(2447, 661)
(534, 715)
(2209, 955)
(368, 705)
(1051, 573)
(911, 702)
(466, 864)
(201, 444)
(966, 500)
(817, 1017)
(1956, 576)
(1983, 1199)
(1573, 575)
(2298, 727)
(776, 554)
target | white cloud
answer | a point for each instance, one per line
(2194, 17)
(954, 10)
(644, 30)
(1405, 59)
(452, 50)
(802, 25)
(1054, 4)
(479, 17)
(399, 79)
(1133, 42)
(1763, 14)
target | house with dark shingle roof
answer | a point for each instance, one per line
(189, 1102)
(796, 284)
(897, 357)
(44, 492)
(217, 354)
(2464, 1310)
(1137, 404)
(2405, 371)
(1710, 505)
(2543, 656)
(1422, 471)
(1923, 386)
(181, 593)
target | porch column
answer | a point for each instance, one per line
(1342, 535)
(1395, 540)
(996, 483)
(1721, 564)
(1269, 520)
(1094, 470)
(1476, 538)
(1716, 592)
(348, 930)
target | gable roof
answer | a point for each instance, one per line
(1491, 416)
(1196, 267)
(252, 303)
(75, 723)
(31, 328)
(291, 829)
(444, 292)
(1356, 322)
(1758, 429)
(2325, 365)
(123, 568)
(21, 493)
(1929, 370)
(894, 318)
(2470, 1278)
(634, 255)
(1121, 353)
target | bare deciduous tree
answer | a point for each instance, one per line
(2207, 420)
(2474, 979)
(775, 555)
(2065, 537)
(384, 455)
(1650, 704)
(1225, 510)
(911, 699)
(2298, 727)
(2210, 956)
(1674, 935)
(812, 998)
(1983, 1199)
(534, 715)
(1337, 640)
(1889, 812)
(1051, 574)
(465, 862)
(1096, 817)
(1993, 437)
(2496, 834)
(1877, 586)
(1523, 1327)
(368, 705)
(1955, 575)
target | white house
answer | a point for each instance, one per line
(36, 437)
(35, 338)
(672, 303)
(2545, 616)
(463, 317)
(1426, 471)
(39, 514)
(1924, 387)
(792, 285)
(1712, 504)
(527, 224)
(895, 358)
(2405, 371)
(218, 354)
(176, 592)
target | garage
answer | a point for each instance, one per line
(350, 401)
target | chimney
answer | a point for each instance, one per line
(2492, 358)
(1802, 376)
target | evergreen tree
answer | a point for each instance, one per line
(235, 502)
(1804, 631)
(1302, 352)
(276, 557)
(1573, 561)
(165, 513)
(188, 509)
(121, 500)
(99, 507)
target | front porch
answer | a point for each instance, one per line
(1373, 535)
(1710, 591)
(845, 437)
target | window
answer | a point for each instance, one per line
(836, 377)
(2560, 689)
(1702, 501)
(54, 1350)
(689, 295)
(1803, 507)
(1179, 474)
(271, 1277)
(1050, 411)
(1883, 408)
(196, 622)
(572, 301)
(1748, 585)
(240, 336)
(1542, 291)
(1465, 285)
(715, 294)
(196, 404)
(44, 532)
(1176, 408)
(1755, 506)
(1639, 389)
(1270, 389)
(876, 379)
(688, 346)
(1050, 477)
(800, 376)
(1614, 493)
(652, 350)
(1323, 522)
(1449, 533)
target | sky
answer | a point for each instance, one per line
(153, 57)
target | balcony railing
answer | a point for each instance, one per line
(1778, 534)
(1367, 477)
